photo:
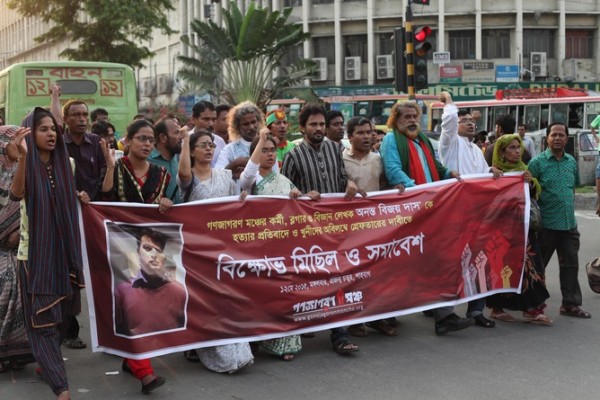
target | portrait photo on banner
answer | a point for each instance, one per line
(148, 278)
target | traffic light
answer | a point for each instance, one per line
(399, 61)
(421, 48)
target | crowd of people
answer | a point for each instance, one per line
(55, 160)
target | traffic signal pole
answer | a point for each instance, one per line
(410, 61)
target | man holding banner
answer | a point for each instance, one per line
(409, 160)
(317, 164)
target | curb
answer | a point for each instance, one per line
(585, 201)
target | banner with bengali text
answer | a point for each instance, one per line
(270, 266)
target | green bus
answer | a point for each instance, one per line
(101, 85)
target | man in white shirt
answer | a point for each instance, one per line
(459, 153)
(527, 141)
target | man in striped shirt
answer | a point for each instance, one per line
(317, 164)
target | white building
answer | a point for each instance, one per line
(352, 39)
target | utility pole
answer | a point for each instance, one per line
(410, 63)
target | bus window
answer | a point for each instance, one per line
(576, 115)
(592, 111)
(77, 86)
(544, 116)
(586, 142)
(362, 109)
(560, 113)
(531, 117)
(498, 111)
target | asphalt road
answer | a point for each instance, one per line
(511, 361)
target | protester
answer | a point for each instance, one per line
(166, 152)
(365, 168)
(505, 125)
(278, 125)
(50, 264)
(106, 131)
(99, 115)
(15, 352)
(220, 127)
(459, 154)
(378, 138)
(317, 165)
(557, 173)
(198, 181)
(334, 122)
(204, 116)
(245, 120)
(409, 160)
(258, 178)
(527, 141)
(531, 300)
(135, 180)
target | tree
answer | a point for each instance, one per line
(237, 61)
(112, 31)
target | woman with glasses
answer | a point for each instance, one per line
(197, 180)
(133, 179)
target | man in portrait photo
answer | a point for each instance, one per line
(153, 301)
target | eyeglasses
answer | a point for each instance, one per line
(267, 151)
(206, 145)
(144, 139)
(467, 122)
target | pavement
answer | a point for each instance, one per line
(511, 361)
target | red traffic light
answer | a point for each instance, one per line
(422, 33)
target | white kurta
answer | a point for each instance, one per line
(458, 153)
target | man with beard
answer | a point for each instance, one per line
(278, 125)
(166, 152)
(317, 164)
(204, 116)
(244, 121)
(334, 121)
(409, 160)
(459, 153)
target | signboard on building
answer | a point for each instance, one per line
(450, 73)
(478, 71)
(507, 73)
(441, 57)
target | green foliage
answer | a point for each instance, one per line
(111, 32)
(236, 62)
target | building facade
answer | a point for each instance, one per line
(553, 40)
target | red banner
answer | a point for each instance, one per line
(267, 267)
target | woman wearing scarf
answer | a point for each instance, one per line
(49, 249)
(133, 179)
(507, 158)
(14, 345)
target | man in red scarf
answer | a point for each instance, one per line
(409, 160)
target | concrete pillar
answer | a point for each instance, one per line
(370, 44)
(339, 56)
(478, 35)
(561, 42)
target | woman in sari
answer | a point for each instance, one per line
(197, 180)
(14, 345)
(50, 264)
(507, 157)
(258, 178)
(133, 179)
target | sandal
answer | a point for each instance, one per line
(537, 319)
(574, 311)
(358, 330)
(345, 347)
(501, 315)
(191, 356)
(288, 357)
(382, 327)
(74, 343)
(481, 320)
